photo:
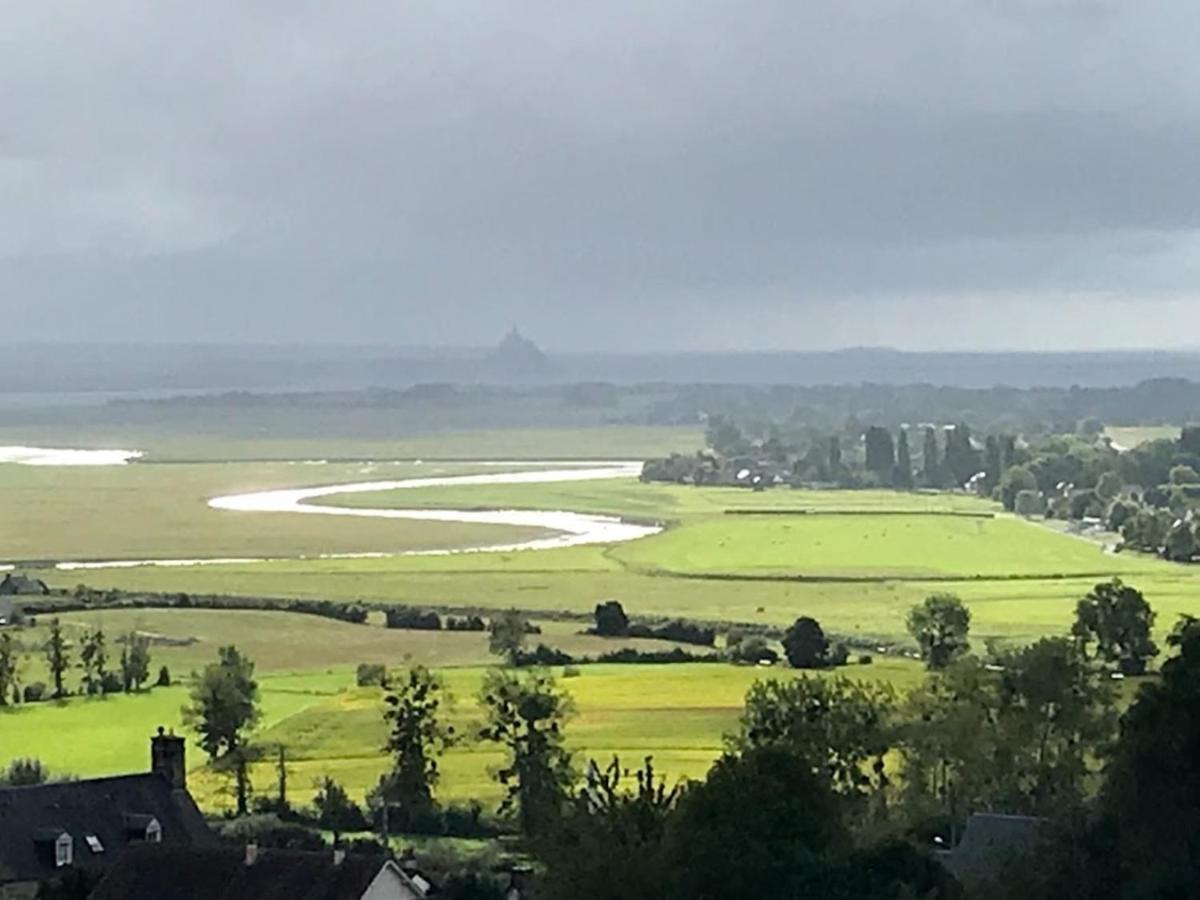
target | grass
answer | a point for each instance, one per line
(291, 643)
(332, 728)
(858, 574)
(147, 511)
(1127, 437)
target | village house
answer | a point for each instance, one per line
(250, 873)
(47, 831)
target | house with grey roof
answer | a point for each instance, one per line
(249, 873)
(990, 844)
(48, 831)
(22, 585)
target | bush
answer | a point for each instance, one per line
(541, 655)
(865, 659)
(465, 623)
(164, 677)
(753, 650)
(24, 772)
(370, 674)
(270, 831)
(839, 655)
(34, 693)
(111, 683)
(570, 672)
(677, 655)
(414, 619)
(678, 631)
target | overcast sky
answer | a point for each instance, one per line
(791, 174)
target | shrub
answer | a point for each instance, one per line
(677, 655)
(414, 619)
(678, 631)
(25, 771)
(111, 683)
(839, 655)
(753, 650)
(541, 655)
(465, 623)
(570, 672)
(164, 677)
(271, 831)
(865, 659)
(34, 693)
(370, 674)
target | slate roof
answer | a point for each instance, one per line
(21, 584)
(97, 806)
(991, 842)
(178, 873)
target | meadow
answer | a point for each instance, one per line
(857, 561)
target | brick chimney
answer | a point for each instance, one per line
(167, 759)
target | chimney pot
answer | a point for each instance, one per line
(251, 854)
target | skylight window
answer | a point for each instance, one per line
(94, 843)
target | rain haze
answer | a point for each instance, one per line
(622, 176)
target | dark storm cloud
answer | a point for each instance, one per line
(654, 174)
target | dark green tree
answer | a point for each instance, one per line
(768, 810)
(931, 462)
(93, 660)
(962, 459)
(527, 715)
(1056, 715)
(610, 842)
(1013, 482)
(940, 626)
(224, 706)
(135, 661)
(805, 644)
(903, 476)
(993, 463)
(10, 664)
(417, 737)
(880, 452)
(336, 812)
(1180, 545)
(1148, 843)
(1116, 620)
(506, 635)
(58, 657)
(844, 728)
(834, 460)
(611, 620)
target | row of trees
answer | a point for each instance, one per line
(91, 656)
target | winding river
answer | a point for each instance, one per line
(569, 529)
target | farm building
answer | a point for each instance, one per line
(49, 831)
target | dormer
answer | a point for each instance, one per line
(142, 827)
(58, 842)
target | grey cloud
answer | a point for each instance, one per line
(612, 174)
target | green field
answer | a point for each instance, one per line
(147, 511)
(332, 728)
(856, 560)
(1129, 437)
